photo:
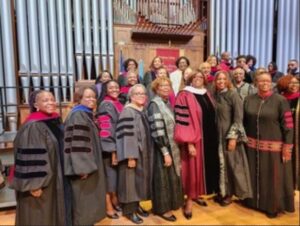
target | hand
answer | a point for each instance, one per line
(286, 155)
(36, 193)
(83, 176)
(168, 160)
(231, 144)
(192, 150)
(114, 159)
(131, 163)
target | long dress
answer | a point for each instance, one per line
(83, 156)
(188, 101)
(294, 101)
(107, 117)
(234, 169)
(269, 127)
(167, 185)
(38, 165)
(133, 141)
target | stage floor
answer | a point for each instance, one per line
(213, 214)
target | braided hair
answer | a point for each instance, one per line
(33, 98)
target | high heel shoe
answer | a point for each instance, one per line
(134, 217)
(113, 216)
(200, 202)
(117, 208)
(187, 215)
(142, 212)
(171, 218)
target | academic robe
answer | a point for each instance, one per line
(269, 127)
(107, 117)
(134, 141)
(82, 153)
(196, 123)
(167, 184)
(234, 169)
(38, 165)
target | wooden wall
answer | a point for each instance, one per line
(146, 49)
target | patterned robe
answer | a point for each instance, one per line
(269, 127)
(107, 117)
(167, 185)
(234, 169)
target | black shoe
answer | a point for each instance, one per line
(218, 198)
(142, 212)
(113, 216)
(225, 201)
(135, 218)
(271, 215)
(200, 202)
(170, 218)
(117, 208)
(187, 215)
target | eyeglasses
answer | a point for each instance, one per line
(139, 94)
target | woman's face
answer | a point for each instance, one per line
(221, 82)
(239, 75)
(105, 77)
(45, 102)
(139, 97)
(88, 99)
(270, 67)
(182, 65)
(187, 73)
(113, 89)
(132, 79)
(264, 83)
(164, 90)
(198, 81)
(162, 73)
(131, 66)
(213, 61)
(206, 69)
(157, 63)
(293, 86)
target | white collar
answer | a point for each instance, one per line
(194, 90)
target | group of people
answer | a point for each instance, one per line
(169, 138)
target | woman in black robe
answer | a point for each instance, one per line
(167, 185)
(38, 175)
(134, 152)
(83, 160)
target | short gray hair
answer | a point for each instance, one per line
(133, 88)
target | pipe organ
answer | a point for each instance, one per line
(177, 12)
(56, 43)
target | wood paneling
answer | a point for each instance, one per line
(146, 49)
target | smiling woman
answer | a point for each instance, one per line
(38, 177)
(269, 125)
(83, 164)
(234, 170)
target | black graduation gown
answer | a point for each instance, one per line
(38, 165)
(82, 155)
(133, 141)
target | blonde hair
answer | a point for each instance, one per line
(155, 84)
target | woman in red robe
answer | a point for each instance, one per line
(195, 127)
